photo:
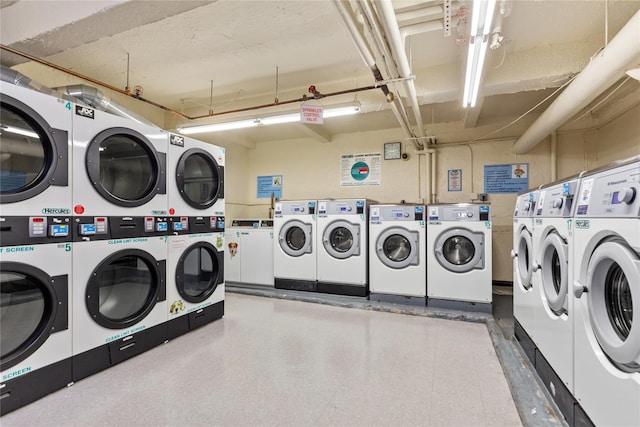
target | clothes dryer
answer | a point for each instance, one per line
(294, 256)
(397, 256)
(195, 266)
(119, 292)
(119, 164)
(35, 325)
(459, 266)
(553, 243)
(524, 295)
(342, 247)
(607, 291)
(35, 155)
(196, 177)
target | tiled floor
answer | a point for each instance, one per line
(281, 362)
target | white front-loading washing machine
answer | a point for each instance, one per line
(119, 165)
(553, 243)
(607, 291)
(119, 289)
(195, 273)
(35, 154)
(195, 176)
(459, 265)
(294, 256)
(342, 246)
(524, 295)
(397, 255)
(35, 310)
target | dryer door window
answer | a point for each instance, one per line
(460, 250)
(33, 156)
(124, 167)
(554, 273)
(613, 275)
(341, 239)
(199, 178)
(199, 272)
(295, 238)
(398, 247)
(524, 259)
(29, 306)
(124, 288)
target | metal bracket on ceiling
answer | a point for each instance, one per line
(446, 20)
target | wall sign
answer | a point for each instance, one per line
(269, 184)
(511, 178)
(454, 179)
(360, 169)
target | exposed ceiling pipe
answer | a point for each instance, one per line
(421, 14)
(14, 77)
(94, 98)
(390, 24)
(346, 13)
(606, 67)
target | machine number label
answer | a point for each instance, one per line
(583, 224)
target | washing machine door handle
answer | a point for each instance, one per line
(536, 266)
(514, 254)
(579, 289)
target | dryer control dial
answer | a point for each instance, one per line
(469, 214)
(557, 203)
(626, 195)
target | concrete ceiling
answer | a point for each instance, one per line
(178, 49)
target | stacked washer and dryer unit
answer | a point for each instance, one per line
(119, 239)
(195, 290)
(606, 287)
(35, 251)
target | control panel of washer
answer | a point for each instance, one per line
(557, 201)
(611, 193)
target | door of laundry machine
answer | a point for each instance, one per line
(200, 178)
(124, 288)
(34, 153)
(341, 239)
(460, 250)
(199, 271)
(34, 305)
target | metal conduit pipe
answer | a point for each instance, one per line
(606, 67)
(94, 98)
(373, 24)
(434, 176)
(390, 24)
(346, 13)
(423, 13)
(554, 156)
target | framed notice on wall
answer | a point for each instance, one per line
(269, 184)
(360, 169)
(511, 178)
(454, 179)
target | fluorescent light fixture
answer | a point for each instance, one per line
(343, 110)
(481, 18)
(20, 131)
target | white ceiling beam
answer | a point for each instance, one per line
(317, 132)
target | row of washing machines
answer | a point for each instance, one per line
(111, 240)
(576, 287)
(388, 252)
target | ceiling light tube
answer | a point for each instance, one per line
(343, 110)
(481, 18)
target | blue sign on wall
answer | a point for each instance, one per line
(511, 178)
(270, 184)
